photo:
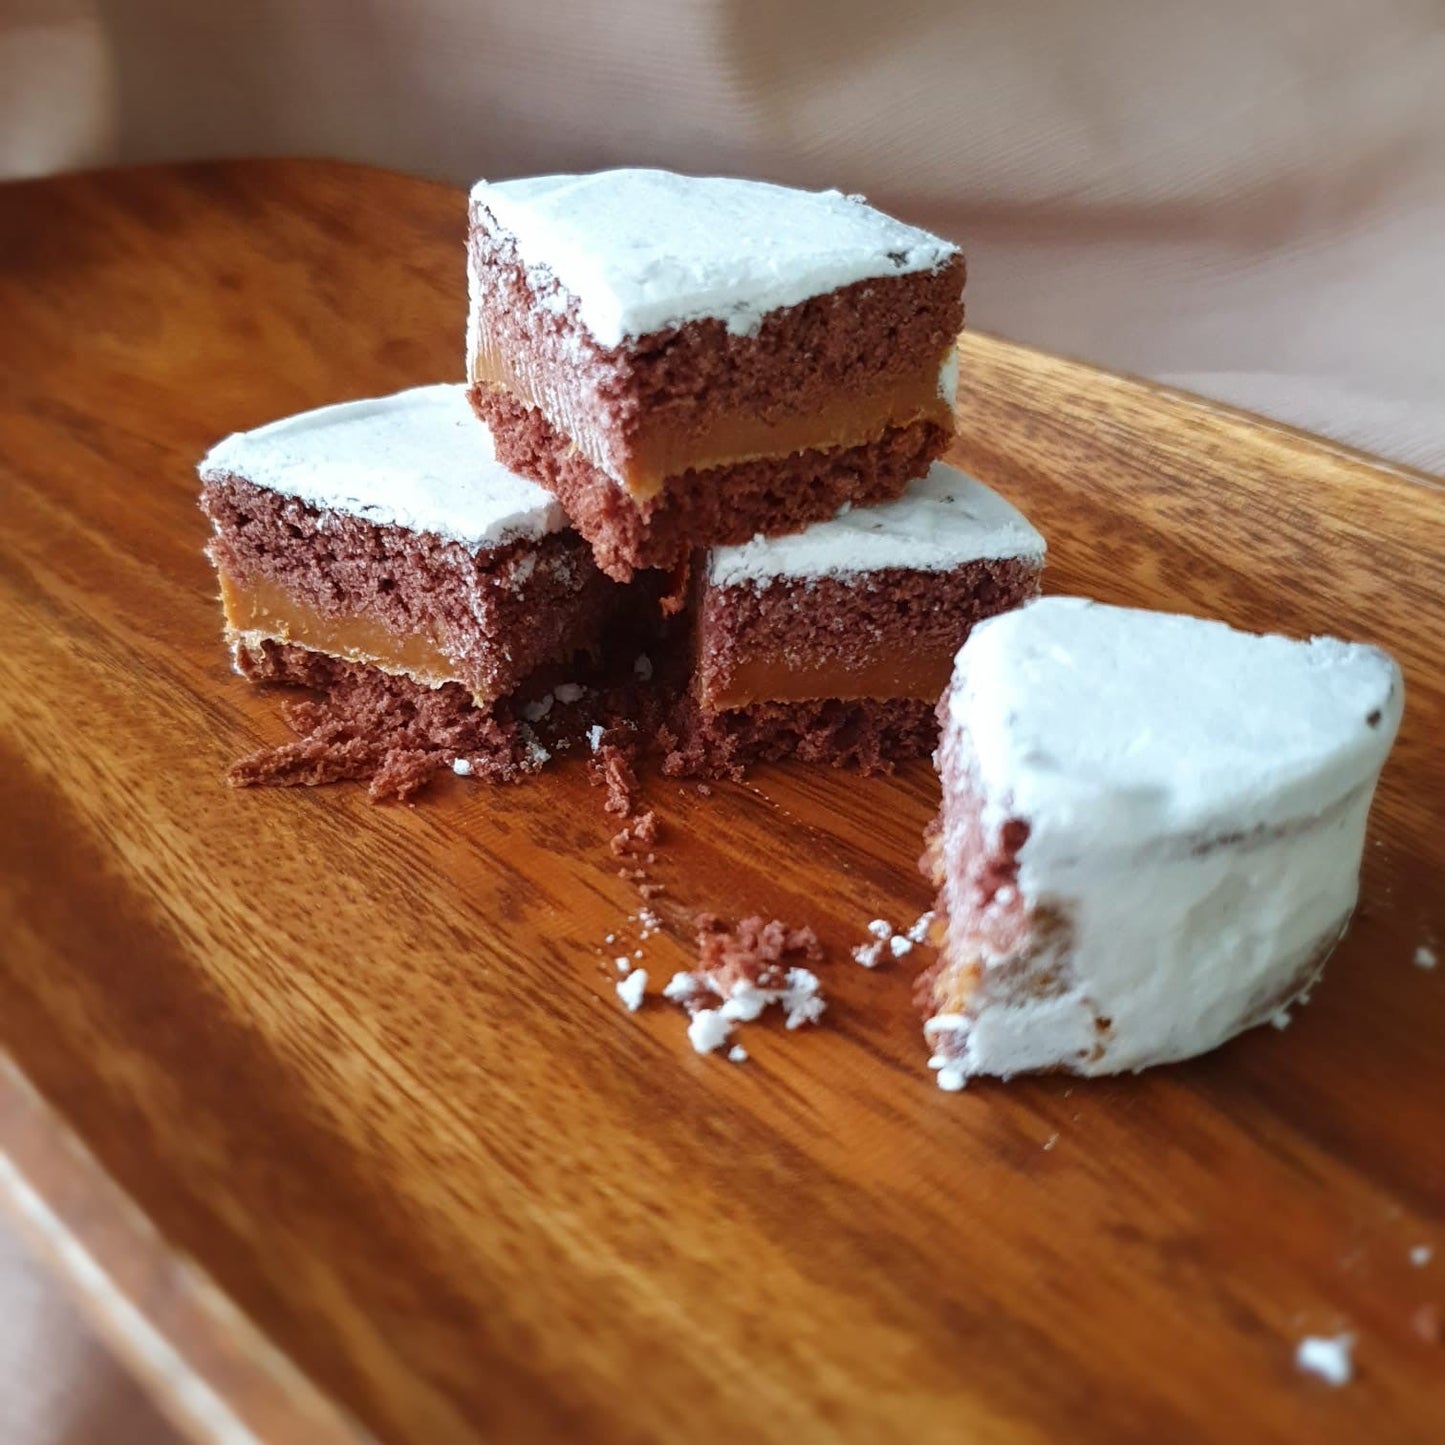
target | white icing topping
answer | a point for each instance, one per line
(1110, 725)
(419, 459)
(631, 989)
(708, 1030)
(942, 521)
(1196, 799)
(646, 250)
(1330, 1358)
(948, 377)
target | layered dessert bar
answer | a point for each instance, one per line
(833, 644)
(375, 550)
(688, 362)
(1150, 835)
(381, 532)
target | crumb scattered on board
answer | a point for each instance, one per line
(744, 969)
(1329, 1358)
(708, 1030)
(1425, 956)
(884, 938)
(868, 954)
(634, 844)
(610, 767)
(631, 987)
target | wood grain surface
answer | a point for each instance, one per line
(362, 1071)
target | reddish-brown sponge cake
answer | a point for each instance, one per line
(834, 643)
(380, 532)
(690, 362)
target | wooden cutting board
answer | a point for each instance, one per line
(330, 1113)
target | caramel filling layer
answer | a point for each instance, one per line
(667, 446)
(263, 609)
(882, 677)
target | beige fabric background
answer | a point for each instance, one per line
(1244, 197)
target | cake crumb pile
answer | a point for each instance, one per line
(743, 970)
(368, 726)
(611, 767)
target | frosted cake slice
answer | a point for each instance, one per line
(687, 361)
(382, 532)
(833, 644)
(1150, 835)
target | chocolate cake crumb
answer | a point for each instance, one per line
(372, 727)
(756, 953)
(610, 767)
(640, 833)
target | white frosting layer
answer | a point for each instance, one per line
(942, 521)
(646, 250)
(419, 459)
(1196, 800)
(948, 377)
(1106, 724)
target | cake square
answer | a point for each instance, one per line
(1150, 834)
(380, 533)
(834, 643)
(690, 361)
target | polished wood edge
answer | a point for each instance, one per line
(206, 1366)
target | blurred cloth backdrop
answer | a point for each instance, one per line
(1243, 197)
